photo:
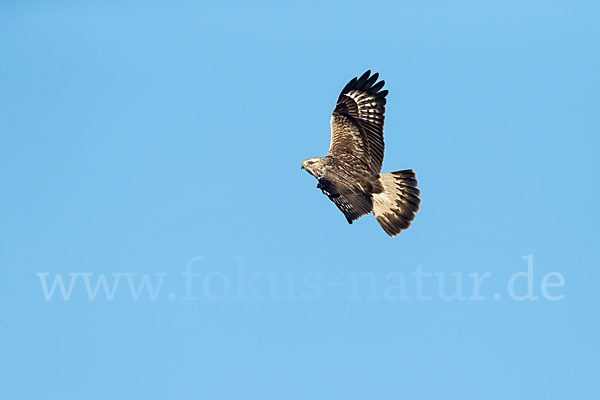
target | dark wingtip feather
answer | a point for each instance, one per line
(367, 83)
(382, 94)
(360, 83)
(378, 86)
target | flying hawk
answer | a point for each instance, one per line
(350, 174)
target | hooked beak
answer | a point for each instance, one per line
(303, 166)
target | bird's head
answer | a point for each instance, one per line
(313, 166)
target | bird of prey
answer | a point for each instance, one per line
(350, 174)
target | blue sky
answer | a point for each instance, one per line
(150, 139)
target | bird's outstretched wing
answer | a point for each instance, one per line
(357, 121)
(351, 200)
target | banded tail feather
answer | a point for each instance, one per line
(396, 206)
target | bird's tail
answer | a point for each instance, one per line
(396, 206)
